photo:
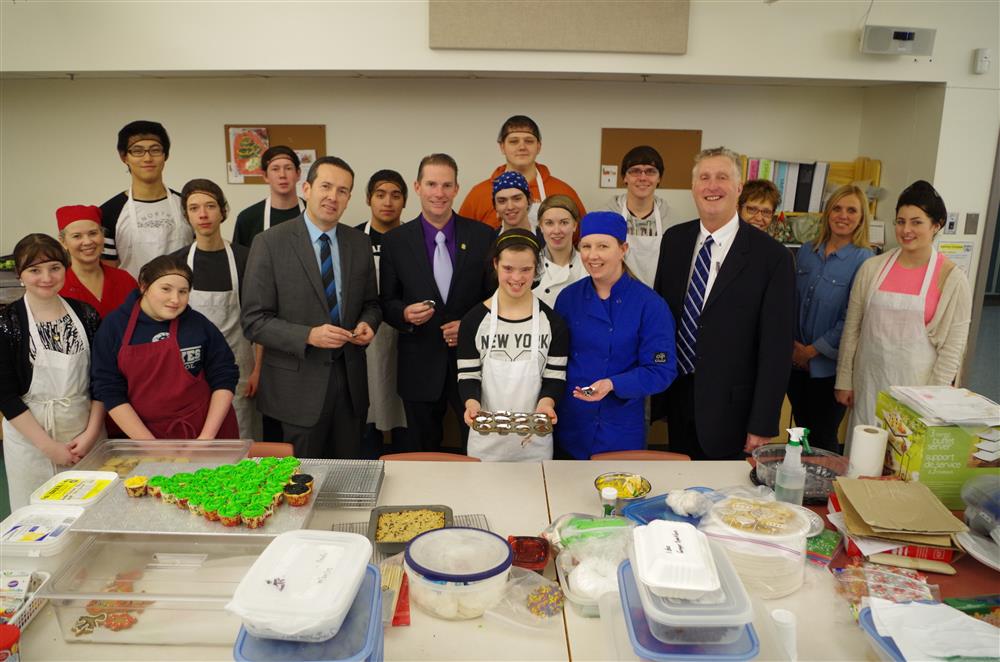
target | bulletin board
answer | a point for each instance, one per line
(308, 140)
(678, 147)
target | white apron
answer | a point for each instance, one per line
(385, 407)
(59, 399)
(137, 246)
(556, 277)
(533, 208)
(894, 348)
(267, 211)
(223, 310)
(644, 252)
(512, 386)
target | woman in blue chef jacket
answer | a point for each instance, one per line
(621, 347)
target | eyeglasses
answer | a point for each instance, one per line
(636, 171)
(764, 212)
(138, 151)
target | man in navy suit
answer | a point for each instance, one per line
(731, 289)
(433, 270)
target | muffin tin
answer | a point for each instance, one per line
(518, 423)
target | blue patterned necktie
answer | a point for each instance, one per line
(326, 272)
(694, 301)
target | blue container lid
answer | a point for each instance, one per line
(359, 637)
(653, 508)
(885, 644)
(648, 647)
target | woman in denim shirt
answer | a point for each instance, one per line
(824, 274)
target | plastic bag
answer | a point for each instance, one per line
(529, 600)
(591, 565)
(573, 529)
(392, 584)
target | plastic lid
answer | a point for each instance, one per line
(38, 530)
(359, 637)
(75, 488)
(9, 635)
(609, 493)
(673, 559)
(458, 554)
(729, 605)
(756, 518)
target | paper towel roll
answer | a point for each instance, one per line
(867, 451)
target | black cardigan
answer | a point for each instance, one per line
(15, 366)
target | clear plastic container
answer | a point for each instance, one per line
(654, 508)
(744, 646)
(458, 572)
(884, 647)
(583, 606)
(360, 637)
(717, 617)
(75, 488)
(673, 560)
(173, 589)
(302, 586)
(38, 537)
(126, 456)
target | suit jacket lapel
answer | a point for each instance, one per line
(460, 252)
(424, 265)
(303, 249)
(682, 266)
(736, 260)
(346, 259)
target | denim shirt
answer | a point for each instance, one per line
(822, 290)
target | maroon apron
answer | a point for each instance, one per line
(171, 401)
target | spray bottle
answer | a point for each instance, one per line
(790, 483)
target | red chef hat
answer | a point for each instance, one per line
(66, 215)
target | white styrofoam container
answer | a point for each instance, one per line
(674, 560)
(75, 488)
(34, 537)
(302, 586)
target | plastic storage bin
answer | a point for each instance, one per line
(884, 647)
(38, 537)
(360, 637)
(75, 488)
(179, 588)
(646, 646)
(458, 572)
(674, 560)
(302, 586)
(715, 618)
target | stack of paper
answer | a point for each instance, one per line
(896, 512)
(934, 631)
(949, 405)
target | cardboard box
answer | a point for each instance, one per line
(942, 457)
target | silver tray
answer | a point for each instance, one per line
(124, 455)
(120, 513)
(475, 521)
(348, 484)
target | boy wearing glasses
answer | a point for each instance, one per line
(146, 220)
(644, 211)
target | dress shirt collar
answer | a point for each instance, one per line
(315, 232)
(723, 237)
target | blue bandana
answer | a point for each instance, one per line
(511, 179)
(604, 222)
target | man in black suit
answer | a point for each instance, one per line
(310, 298)
(433, 270)
(731, 289)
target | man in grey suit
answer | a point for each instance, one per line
(311, 299)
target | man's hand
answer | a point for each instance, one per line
(844, 396)
(328, 336)
(252, 382)
(802, 355)
(418, 313)
(754, 441)
(449, 332)
(547, 406)
(363, 334)
(472, 409)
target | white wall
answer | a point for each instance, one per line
(68, 129)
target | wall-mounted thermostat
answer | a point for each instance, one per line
(890, 40)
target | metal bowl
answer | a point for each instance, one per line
(611, 477)
(822, 468)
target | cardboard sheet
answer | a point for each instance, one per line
(858, 527)
(890, 506)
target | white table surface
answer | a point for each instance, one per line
(826, 629)
(511, 496)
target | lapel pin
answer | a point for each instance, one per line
(463, 246)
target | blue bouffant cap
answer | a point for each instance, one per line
(511, 179)
(604, 222)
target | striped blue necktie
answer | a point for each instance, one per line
(329, 284)
(694, 301)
